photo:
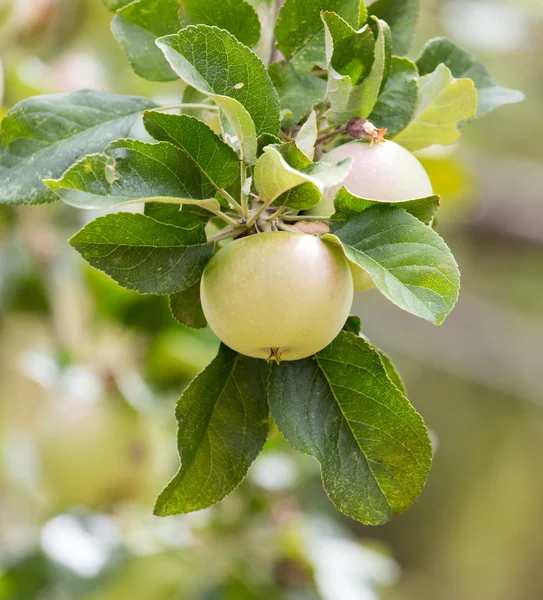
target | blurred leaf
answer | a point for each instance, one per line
(297, 93)
(348, 206)
(142, 254)
(356, 68)
(214, 62)
(397, 102)
(443, 103)
(300, 31)
(464, 64)
(236, 16)
(42, 136)
(133, 171)
(407, 260)
(402, 17)
(114, 5)
(341, 408)
(186, 307)
(137, 25)
(223, 425)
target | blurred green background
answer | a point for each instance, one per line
(89, 375)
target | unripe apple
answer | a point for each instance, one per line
(95, 456)
(278, 294)
(383, 171)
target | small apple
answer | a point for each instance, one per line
(383, 171)
(95, 455)
(280, 295)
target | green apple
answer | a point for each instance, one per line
(382, 171)
(278, 294)
(96, 455)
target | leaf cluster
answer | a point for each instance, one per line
(262, 97)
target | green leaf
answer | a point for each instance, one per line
(300, 32)
(397, 102)
(357, 68)
(189, 216)
(142, 254)
(464, 64)
(42, 136)
(236, 16)
(307, 136)
(392, 372)
(215, 159)
(443, 103)
(114, 5)
(342, 409)
(186, 307)
(223, 425)
(274, 175)
(133, 171)
(297, 93)
(402, 17)
(407, 260)
(215, 63)
(353, 325)
(137, 25)
(348, 206)
(286, 167)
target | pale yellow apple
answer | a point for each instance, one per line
(277, 294)
(383, 171)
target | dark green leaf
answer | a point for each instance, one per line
(341, 408)
(215, 159)
(397, 102)
(353, 325)
(223, 425)
(42, 136)
(142, 254)
(348, 206)
(297, 93)
(236, 16)
(407, 260)
(214, 62)
(402, 16)
(134, 171)
(137, 25)
(444, 102)
(186, 307)
(464, 64)
(300, 32)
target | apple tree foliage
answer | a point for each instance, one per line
(262, 91)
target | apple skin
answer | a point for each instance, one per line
(284, 291)
(385, 171)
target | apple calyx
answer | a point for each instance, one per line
(362, 129)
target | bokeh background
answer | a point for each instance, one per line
(89, 375)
